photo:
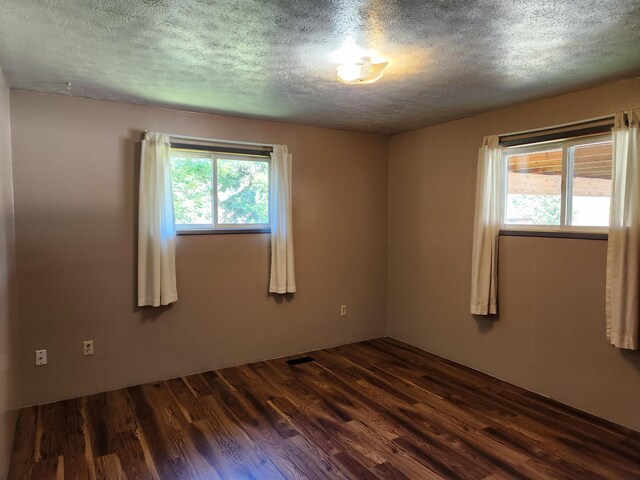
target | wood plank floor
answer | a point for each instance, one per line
(376, 409)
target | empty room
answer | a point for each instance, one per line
(346, 239)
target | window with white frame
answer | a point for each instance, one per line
(219, 191)
(559, 185)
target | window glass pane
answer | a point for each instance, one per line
(592, 169)
(192, 181)
(243, 192)
(534, 183)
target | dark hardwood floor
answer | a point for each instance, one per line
(376, 409)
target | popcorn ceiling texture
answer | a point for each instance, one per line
(271, 59)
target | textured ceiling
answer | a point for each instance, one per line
(271, 58)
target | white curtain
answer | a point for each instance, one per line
(623, 246)
(484, 267)
(282, 278)
(156, 228)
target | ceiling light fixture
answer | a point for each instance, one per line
(361, 72)
(356, 66)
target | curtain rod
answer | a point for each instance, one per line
(217, 140)
(562, 125)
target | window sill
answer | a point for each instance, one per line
(222, 231)
(557, 234)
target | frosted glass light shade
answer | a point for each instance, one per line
(361, 72)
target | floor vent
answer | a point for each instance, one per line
(298, 361)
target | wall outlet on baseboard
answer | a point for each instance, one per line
(343, 310)
(41, 357)
(87, 347)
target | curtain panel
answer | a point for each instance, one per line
(624, 240)
(282, 278)
(156, 228)
(484, 266)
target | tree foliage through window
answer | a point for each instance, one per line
(192, 181)
(242, 190)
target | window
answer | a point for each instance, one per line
(563, 185)
(219, 191)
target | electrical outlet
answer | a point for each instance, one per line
(41, 357)
(87, 347)
(343, 310)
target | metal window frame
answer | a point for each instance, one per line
(216, 227)
(566, 189)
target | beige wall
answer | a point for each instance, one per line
(8, 336)
(549, 337)
(75, 178)
(76, 163)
